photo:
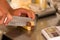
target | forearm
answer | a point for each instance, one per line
(6, 5)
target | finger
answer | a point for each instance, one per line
(33, 16)
(9, 18)
(2, 19)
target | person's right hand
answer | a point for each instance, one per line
(3, 14)
(24, 12)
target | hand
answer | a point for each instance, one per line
(24, 12)
(3, 14)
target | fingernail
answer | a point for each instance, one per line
(5, 20)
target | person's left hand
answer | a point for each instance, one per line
(24, 12)
(3, 14)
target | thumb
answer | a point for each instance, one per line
(2, 18)
(9, 18)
